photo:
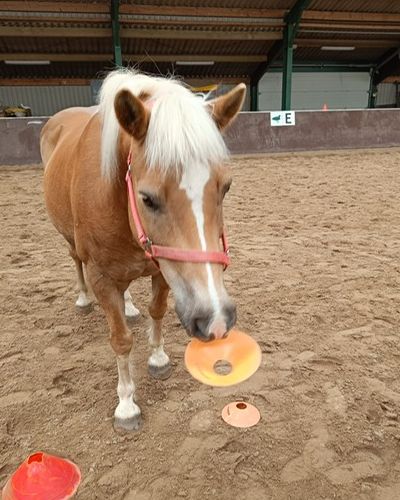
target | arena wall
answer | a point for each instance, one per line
(251, 133)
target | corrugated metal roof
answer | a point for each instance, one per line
(61, 70)
(152, 46)
(383, 6)
(106, 2)
(359, 55)
(170, 31)
(56, 45)
(337, 35)
(244, 4)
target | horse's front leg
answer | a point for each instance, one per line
(111, 298)
(159, 364)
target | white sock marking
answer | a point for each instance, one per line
(126, 408)
(130, 309)
(158, 358)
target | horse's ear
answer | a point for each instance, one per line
(225, 108)
(132, 115)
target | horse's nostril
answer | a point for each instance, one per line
(200, 327)
(230, 315)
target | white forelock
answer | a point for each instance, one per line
(181, 130)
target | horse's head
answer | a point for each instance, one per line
(180, 180)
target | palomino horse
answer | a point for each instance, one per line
(176, 184)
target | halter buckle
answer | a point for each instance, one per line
(147, 244)
(147, 247)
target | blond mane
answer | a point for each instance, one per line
(181, 131)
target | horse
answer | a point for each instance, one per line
(135, 185)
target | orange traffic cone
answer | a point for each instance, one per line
(325, 107)
(43, 476)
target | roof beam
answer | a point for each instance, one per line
(201, 11)
(351, 26)
(322, 68)
(184, 34)
(387, 56)
(358, 43)
(215, 79)
(392, 67)
(24, 56)
(188, 34)
(70, 18)
(376, 17)
(34, 31)
(387, 65)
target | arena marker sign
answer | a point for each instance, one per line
(282, 118)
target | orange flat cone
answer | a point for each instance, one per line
(241, 414)
(238, 355)
(43, 477)
(325, 107)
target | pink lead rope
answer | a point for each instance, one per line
(155, 252)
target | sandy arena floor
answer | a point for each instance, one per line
(316, 259)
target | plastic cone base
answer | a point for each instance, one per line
(238, 355)
(241, 414)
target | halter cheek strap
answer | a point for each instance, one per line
(156, 252)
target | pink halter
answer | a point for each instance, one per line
(155, 252)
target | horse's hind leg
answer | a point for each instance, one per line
(159, 364)
(83, 300)
(130, 310)
(111, 299)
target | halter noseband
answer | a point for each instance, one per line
(155, 252)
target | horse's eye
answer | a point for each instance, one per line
(150, 202)
(226, 188)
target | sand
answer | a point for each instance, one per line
(315, 243)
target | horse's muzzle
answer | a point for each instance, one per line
(206, 325)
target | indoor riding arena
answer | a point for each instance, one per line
(313, 223)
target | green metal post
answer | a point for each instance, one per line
(115, 32)
(292, 24)
(253, 96)
(373, 89)
(287, 67)
(292, 20)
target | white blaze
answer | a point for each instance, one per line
(193, 182)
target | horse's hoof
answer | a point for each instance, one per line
(160, 372)
(127, 424)
(84, 309)
(132, 319)
(131, 312)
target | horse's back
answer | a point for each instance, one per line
(59, 149)
(62, 128)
